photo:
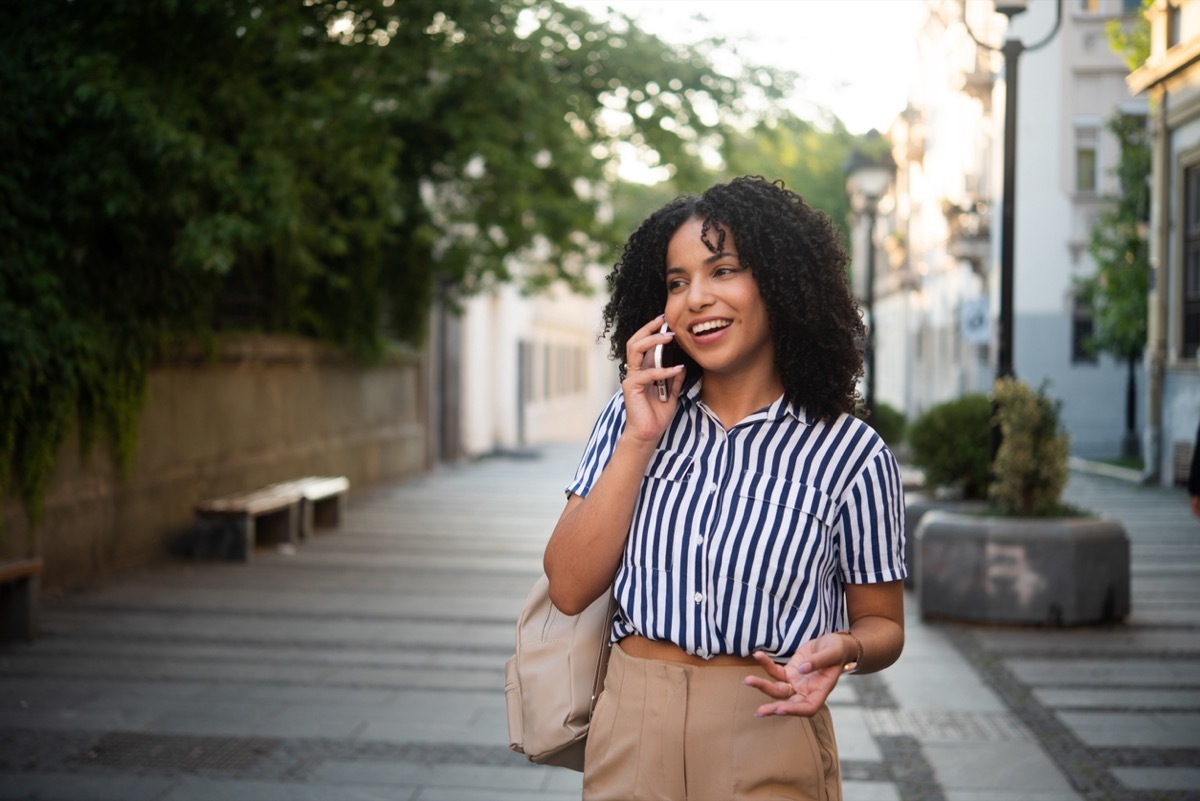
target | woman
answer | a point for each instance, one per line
(752, 525)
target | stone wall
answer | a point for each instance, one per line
(263, 409)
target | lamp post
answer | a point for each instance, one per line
(1011, 50)
(867, 180)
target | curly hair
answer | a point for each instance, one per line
(794, 254)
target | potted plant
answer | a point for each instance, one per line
(950, 444)
(1027, 558)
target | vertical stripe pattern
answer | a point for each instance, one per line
(742, 540)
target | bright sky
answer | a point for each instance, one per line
(854, 57)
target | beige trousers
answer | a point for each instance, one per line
(664, 731)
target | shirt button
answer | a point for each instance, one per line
(702, 653)
(698, 597)
(712, 488)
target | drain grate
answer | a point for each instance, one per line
(177, 752)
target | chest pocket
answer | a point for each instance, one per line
(653, 540)
(795, 519)
(669, 466)
(791, 495)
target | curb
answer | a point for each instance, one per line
(1103, 469)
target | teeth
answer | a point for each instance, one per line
(711, 325)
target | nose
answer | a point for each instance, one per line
(699, 294)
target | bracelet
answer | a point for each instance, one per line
(852, 667)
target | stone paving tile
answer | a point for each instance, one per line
(870, 791)
(1104, 672)
(1118, 698)
(1135, 729)
(219, 790)
(408, 775)
(57, 787)
(1018, 767)
(1159, 778)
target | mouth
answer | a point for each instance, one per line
(709, 326)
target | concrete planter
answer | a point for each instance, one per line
(916, 505)
(1033, 571)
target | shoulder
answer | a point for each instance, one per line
(857, 448)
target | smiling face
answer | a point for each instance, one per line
(715, 309)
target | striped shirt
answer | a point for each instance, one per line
(742, 539)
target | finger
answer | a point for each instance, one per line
(649, 329)
(780, 691)
(804, 708)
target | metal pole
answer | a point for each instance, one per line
(869, 302)
(1004, 355)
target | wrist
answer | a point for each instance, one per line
(852, 652)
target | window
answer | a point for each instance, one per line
(1088, 6)
(1191, 263)
(1086, 137)
(1082, 329)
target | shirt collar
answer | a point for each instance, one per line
(780, 408)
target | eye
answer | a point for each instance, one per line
(675, 283)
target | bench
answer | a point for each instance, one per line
(20, 584)
(322, 501)
(287, 511)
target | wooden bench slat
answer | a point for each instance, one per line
(20, 568)
(300, 497)
(318, 488)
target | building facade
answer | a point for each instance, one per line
(1171, 76)
(938, 299)
(513, 370)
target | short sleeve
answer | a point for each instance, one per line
(871, 524)
(601, 443)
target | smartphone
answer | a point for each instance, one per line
(665, 355)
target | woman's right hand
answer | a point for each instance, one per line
(646, 415)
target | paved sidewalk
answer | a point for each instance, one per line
(368, 664)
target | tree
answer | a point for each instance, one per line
(1118, 291)
(808, 157)
(181, 168)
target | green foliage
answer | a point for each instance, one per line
(951, 443)
(1129, 38)
(1031, 464)
(809, 158)
(1117, 292)
(890, 423)
(323, 168)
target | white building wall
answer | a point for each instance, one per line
(942, 147)
(532, 368)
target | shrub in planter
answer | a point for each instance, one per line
(1031, 464)
(951, 443)
(1029, 559)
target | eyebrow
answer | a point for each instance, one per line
(724, 254)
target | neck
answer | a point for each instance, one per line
(732, 398)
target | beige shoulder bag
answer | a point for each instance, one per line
(552, 681)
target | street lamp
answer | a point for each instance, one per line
(1012, 50)
(867, 181)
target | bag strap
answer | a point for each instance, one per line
(605, 652)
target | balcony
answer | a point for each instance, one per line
(970, 238)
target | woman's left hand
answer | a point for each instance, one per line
(801, 686)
